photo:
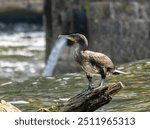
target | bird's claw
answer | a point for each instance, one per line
(86, 91)
(89, 88)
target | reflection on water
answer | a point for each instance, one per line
(20, 81)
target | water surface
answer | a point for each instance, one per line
(45, 92)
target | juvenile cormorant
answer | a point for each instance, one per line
(93, 63)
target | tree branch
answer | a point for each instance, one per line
(92, 100)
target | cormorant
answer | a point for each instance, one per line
(93, 63)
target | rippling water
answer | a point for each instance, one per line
(21, 53)
(45, 92)
(21, 65)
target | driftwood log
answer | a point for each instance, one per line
(86, 101)
(92, 100)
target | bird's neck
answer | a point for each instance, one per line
(78, 55)
(79, 50)
(83, 46)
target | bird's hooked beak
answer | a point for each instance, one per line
(71, 38)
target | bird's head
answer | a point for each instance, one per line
(77, 38)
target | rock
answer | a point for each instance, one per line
(7, 107)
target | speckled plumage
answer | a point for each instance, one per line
(93, 63)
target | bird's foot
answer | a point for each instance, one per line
(89, 88)
(86, 91)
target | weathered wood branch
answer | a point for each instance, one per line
(92, 100)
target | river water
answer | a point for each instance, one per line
(22, 64)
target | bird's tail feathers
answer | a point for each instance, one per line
(116, 72)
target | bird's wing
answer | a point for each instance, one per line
(98, 59)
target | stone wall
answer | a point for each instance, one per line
(117, 28)
(120, 29)
(34, 5)
(63, 23)
(24, 11)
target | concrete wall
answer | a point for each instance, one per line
(120, 29)
(14, 11)
(35, 5)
